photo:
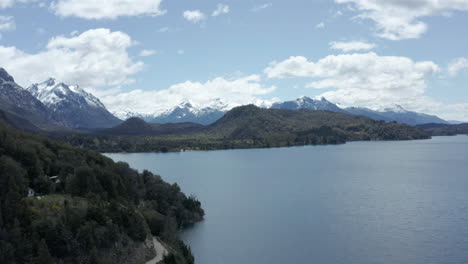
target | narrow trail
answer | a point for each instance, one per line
(160, 251)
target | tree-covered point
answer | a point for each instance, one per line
(445, 129)
(62, 204)
(244, 127)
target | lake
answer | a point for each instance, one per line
(361, 202)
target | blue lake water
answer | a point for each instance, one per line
(362, 202)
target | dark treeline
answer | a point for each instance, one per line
(445, 129)
(62, 204)
(244, 127)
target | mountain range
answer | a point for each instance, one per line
(182, 113)
(53, 104)
(243, 127)
(187, 112)
(73, 105)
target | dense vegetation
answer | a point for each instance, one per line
(244, 127)
(94, 211)
(445, 129)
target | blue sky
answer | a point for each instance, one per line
(250, 52)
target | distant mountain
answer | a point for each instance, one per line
(17, 122)
(186, 112)
(308, 103)
(182, 113)
(245, 127)
(22, 108)
(398, 114)
(73, 105)
(388, 114)
(253, 123)
(138, 127)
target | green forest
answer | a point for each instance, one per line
(62, 204)
(243, 127)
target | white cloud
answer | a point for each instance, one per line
(400, 19)
(194, 16)
(234, 92)
(351, 46)
(6, 3)
(10, 3)
(181, 52)
(457, 65)
(361, 79)
(7, 23)
(220, 10)
(261, 7)
(146, 53)
(108, 9)
(320, 25)
(95, 58)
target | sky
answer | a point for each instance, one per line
(146, 56)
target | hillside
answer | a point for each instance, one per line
(61, 204)
(19, 104)
(436, 129)
(76, 107)
(246, 127)
(137, 127)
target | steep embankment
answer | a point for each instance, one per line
(65, 204)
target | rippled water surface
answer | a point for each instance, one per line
(362, 202)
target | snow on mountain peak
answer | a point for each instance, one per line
(52, 92)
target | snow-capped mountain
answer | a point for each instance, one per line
(305, 102)
(73, 105)
(21, 105)
(184, 112)
(389, 113)
(187, 112)
(397, 113)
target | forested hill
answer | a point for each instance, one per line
(445, 129)
(245, 127)
(82, 207)
(254, 122)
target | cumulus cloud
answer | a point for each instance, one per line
(109, 9)
(146, 53)
(351, 46)
(7, 23)
(397, 19)
(261, 7)
(457, 65)
(234, 92)
(194, 16)
(95, 58)
(361, 79)
(220, 10)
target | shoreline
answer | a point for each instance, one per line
(253, 148)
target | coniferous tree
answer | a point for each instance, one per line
(43, 254)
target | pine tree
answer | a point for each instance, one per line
(43, 254)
